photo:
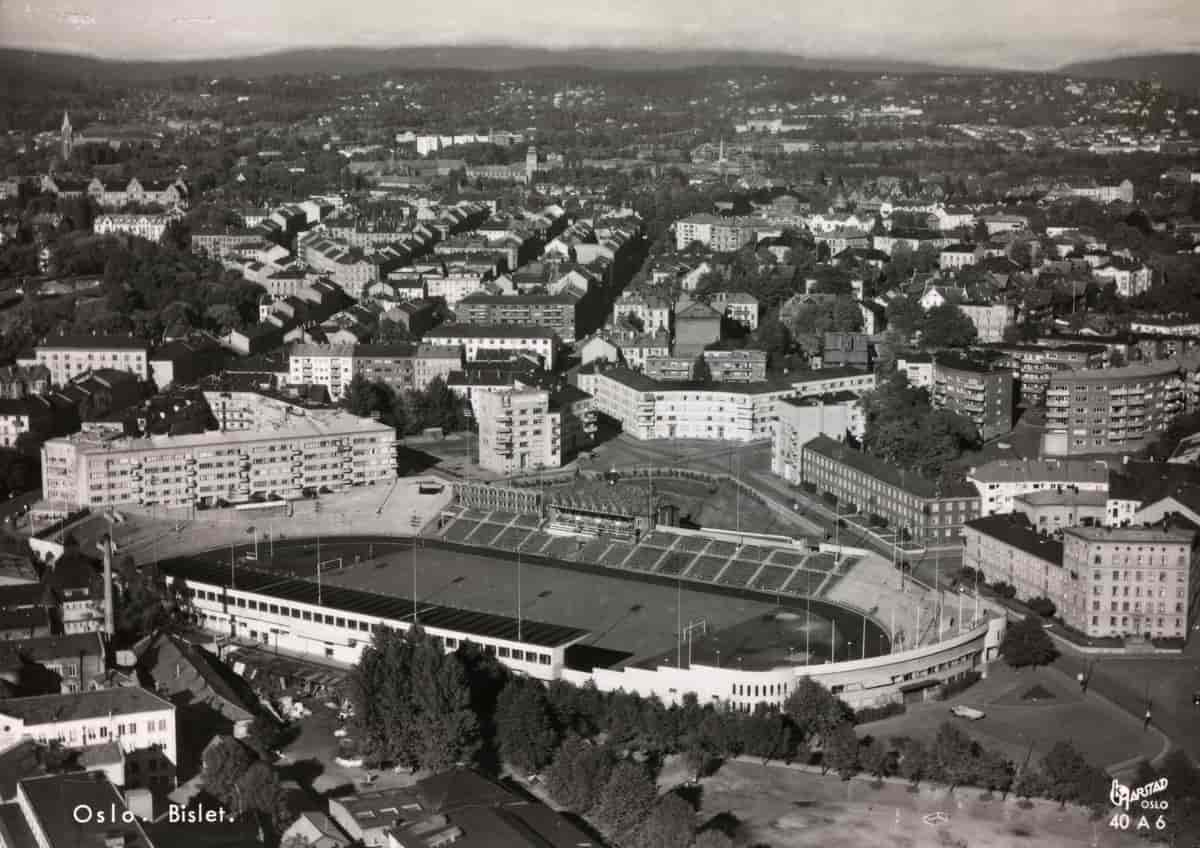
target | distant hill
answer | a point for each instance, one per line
(1179, 71)
(359, 60)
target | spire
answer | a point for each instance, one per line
(66, 124)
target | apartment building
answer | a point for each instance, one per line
(1117, 409)
(331, 450)
(649, 409)
(736, 366)
(724, 235)
(739, 307)
(331, 366)
(978, 392)
(149, 227)
(800, 420)
(522, 429)
(67, 356)
(1136, 580)
(991, 320)
(918, 368)
(559, 313)
(1121, 192)
(651, 311)
(1001, 481)
(1007, 548)
(140, 722)
(251, 410)
(1032, 365)
(670, 368)
(925, 509)
(476, 341)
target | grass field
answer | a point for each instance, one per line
(783, 808)
(631, 617)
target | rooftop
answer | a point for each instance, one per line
(318, 424)
(1133, 535)
(909, 481)
(81, 341)
(365, 603)
(483, 331)
(78, 706)
(1064, 471)
(50, 797)
(1014, 529)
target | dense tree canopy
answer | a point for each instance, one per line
(904, 430)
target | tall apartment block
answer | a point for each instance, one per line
(978, 392)
(1117, 408)
(331, 451)
(1136, 580)
(527, 429)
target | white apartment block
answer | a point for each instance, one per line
(990, 320)
(652, 311)
(696, 228)
(142, 723)
(1001, 480)
(800, 421)
(453, 287)
(648, 409)
(518, 431)
(149, 227)
(1135, 580)
(475, 339)
(331, 366)
(323, 450)
(1129, 280)
(250, 410)
(68, 356)
(918, 369)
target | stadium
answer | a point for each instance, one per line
(615, 598)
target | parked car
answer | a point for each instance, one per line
(967, 712)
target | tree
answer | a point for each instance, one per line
(1042, 606)
(524, 729)
(953, 756)
(904, 315)
(1027, 644)
(670, 825)
(914, 759)
(1063, 771)
(258, 790)
(815, 712)
(948, 326)
(767, 735)
(626, 799)
(224, 762)
(446, 727)
(223, 317)
(874, 758)
(701, 372)
(578, 774)
(264, 736)
(841, 751)
(710, 739)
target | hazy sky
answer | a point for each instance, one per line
(1027, 34)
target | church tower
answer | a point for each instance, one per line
(67, 139)
(531, 163)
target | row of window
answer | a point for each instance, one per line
(345, 623)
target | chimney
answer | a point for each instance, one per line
(109, 625)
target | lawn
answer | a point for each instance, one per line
(781, 807)
(1013, 724)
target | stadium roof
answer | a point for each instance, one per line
(360, 602)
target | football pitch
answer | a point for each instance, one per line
(628, 619)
